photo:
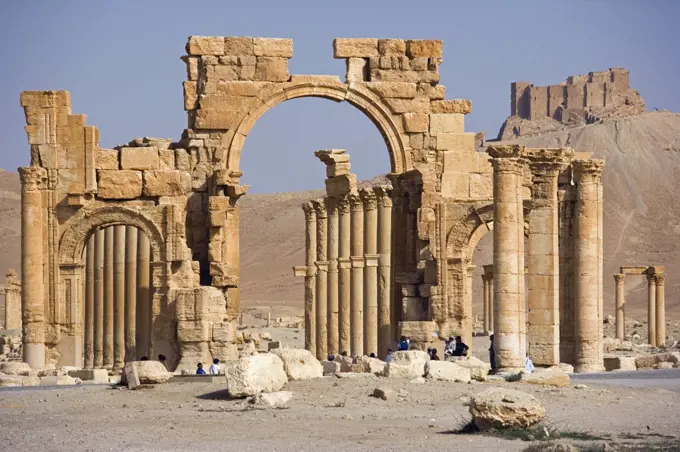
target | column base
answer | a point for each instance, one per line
(34, 356)
(588, 368)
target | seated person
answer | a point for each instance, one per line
(461, 348)
(199, 369)
(403, 344)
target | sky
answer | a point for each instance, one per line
(121, 62)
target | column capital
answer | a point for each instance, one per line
(619, 277)
(33, 178)
(320, 208)
(508, 165)
(332, 206)
(585, 170)
(382, 193)
(343, 204)
(356, 204)
(651, 278)
(310, 213)
(548, 160)
(660, 279)
(369, 199)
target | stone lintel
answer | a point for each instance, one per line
(300, 270)
(634, 270)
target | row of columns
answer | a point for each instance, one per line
(487, 283)
(509, 317)
(117, 297)
(348, 274)
(656, 307)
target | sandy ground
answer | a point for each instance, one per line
(175, 417)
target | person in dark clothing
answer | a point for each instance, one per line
(433, 355)
(199, 369)
(492, 354)
(461, 348)
(403, 343)
(372, 355)
(144, 358)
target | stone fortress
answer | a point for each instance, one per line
(580, 99)
(135, 250)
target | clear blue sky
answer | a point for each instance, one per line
(120, 60)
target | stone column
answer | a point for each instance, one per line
(384, 269)
(130, 293)
(109, 275)
(565, 196)
(651, 309)
(143, 325)
(12, 301)
(469, 325)
(588, 266)
(370, 271)
(357, 276)
(620, 306)
(89, 303)
(32, 266)
(508, 232)
(310, 279)
(119, 297)
(99, 241)
(333, 290)
(543, 266)
(344, 265)
(321, 278)
(487, 304)
(660, 280)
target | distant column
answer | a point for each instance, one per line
(109, 275)
(487, 304)
(321, 279)
(357, 275)
(588, 265)
(130, 293)
(660, 310)
(89, 304)
(119, 297)
(333, 290)
(143, 315)
(344, 265)
(620, 279)
(370, 271)
(651, 309)
(384, 269)
(310, 279)
(468, 326)
(99, 244)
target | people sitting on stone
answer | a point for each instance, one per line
(461, 348)
(144, 358)
(215, 368)
(372, 355)
(529, 365)
(403, 344)
(162, 359)
(492, 354)
(388, 358)
(331, 357)
(199, 369)
(450, 346)
(433, 355)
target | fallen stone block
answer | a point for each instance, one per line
(14, 368)
(152, 372)
(273, 345)
(18, 380)
(271, 399)
(371, 365)
(447, 371)
(252, 375)
(620, 363)
(354, 376)
(131, 375)
(383, 393)
(407, 364)
(505, 408)
(90, 375)
(546, 378)
(563, 367)
(60, 380)
(478, 368)
(299, 364)
(664, 365)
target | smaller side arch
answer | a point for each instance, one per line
(82, 225)
(459, 241)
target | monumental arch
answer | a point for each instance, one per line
(182, 197)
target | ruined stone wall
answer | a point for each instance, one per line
(580, 99)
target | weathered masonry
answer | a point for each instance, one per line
(404, 268)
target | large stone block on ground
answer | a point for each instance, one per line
(14, 368)
(252, 375)
(331, 367)
(151, 372)
(478, 368)
(447, 371)
(119, 184)
(546, 378)
(90, 375)
(271, 399)
(59, 380)
(129, 376)
(18, 380)
(299, 364)
(505, 408)
(620, 363)
(407, 364)
(371, 365)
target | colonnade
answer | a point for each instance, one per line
(487, 284)
(656, 303)
(118, 314)
(348, 273)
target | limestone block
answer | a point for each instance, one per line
(481, 186)
(664, 365)
(205, 45)
(357, 70)
(223, 332)
(14, 368)
(419, 64)
(239, 45)
(272, 399)
(17, 380)
(246, 88)
(401, 90)
(252, 375)
(166, 158)
(152, 372)
(436, 92)
(331, 367)
(60, 380)
(447, 123)
(225, 351)
(139, 158)
(546, 378)
(119, 184)
(355, 47)
(392, 47)
(371, 365)
(424, 48)
(460, 106)
(446, 371)
(90, 375)
(193, 331)
(478, 368)
(299, 364)
(457, 142)
(130, 376)
(273, 47)
(620, 363)
(166, 183)
(106, 159)
(271, 69)
(417, 105)
(224, 112)
(182, 160)
(221, 73)
(415, 122)
(505, 408)
(407, 364)
(345, 363)
(190, 95)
